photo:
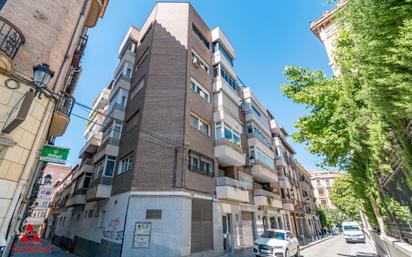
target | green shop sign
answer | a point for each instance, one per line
(55, 154)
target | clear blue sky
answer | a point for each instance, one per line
(266, 34)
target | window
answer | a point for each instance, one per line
(251, 129)
(323, 202)
(327, 183)
(225, 75)
(256, 153)
(99, 169)
(2, 3)
(217, 46)
(318, 182)
(87, 180)
(196, 59)
(200, 163)
(110, 163)
(137, 88)
(224, 131)
(256, 111)
(125, 164)
(197, 32)
(145, 34)
(90, 213)
(200, 90)
(117, 130)
(199, 124)
(101, 219)
(321, 191)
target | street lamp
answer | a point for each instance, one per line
(41, 78)
(42, 75)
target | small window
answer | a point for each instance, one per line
(2, 3)
(199, 124)
(154, 214)
(200, 90)
(197, 60)
(110, 163)
(137, 88)
(101, 220)
(200, 163)
(197, 32)
(125, 164)
(90, 213)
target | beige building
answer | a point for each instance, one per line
(33, 33)
(322, 182)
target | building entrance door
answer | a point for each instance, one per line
(227, 234)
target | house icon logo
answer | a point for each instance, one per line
(30, 235)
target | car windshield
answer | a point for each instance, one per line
(351, 228)
(273, 234)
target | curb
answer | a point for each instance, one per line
(316, 242)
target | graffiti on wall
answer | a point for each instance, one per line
(114, 230)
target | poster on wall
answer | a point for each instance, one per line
(142, 233)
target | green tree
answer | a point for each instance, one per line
(344, 196)
(330, 217)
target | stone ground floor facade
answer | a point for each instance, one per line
(162, 224)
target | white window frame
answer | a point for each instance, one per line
(202, 90)
(125, 164)
(203, 64)
(199, 122)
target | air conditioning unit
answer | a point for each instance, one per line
(251, 162)
(196, 62)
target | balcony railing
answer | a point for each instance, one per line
(11, 38)
(102, 181)
(262, 192)
(226, 181)
(65, 104)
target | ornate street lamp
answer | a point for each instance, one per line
(41, 78)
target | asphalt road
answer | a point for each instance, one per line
(337, 247)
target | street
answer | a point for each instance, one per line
(337, 247)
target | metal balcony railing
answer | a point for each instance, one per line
(65, 104)
(11, 38)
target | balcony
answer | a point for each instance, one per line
(77, 198)
(91, 145)
(11, 39)
(96, 10)
(262, 173)
(284, 182)
(218, 57)
(116, 112)
(267, 199)
(86, 167)
(109, 146)
(100, 188)
(250, 115)
(220, 84)
(229, 154)
(288, 205)
(231, 189)
(61, 115)
(280, 161)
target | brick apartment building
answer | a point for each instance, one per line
(192, 165)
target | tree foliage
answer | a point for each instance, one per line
(344, 196)
(331, 217)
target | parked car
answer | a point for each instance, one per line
(352, 232)
(277, 243)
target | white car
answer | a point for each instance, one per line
(352, 232)
(277, 243)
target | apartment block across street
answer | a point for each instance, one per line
(181, 158)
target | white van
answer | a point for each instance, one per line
(353, 232)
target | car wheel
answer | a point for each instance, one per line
(297, 253)
(287, 253)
